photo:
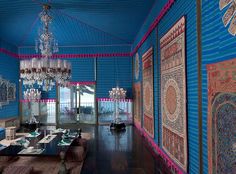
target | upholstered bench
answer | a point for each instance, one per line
(2, 133)
(75, 154)
(17, 169)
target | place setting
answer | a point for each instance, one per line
(47, 139)
(21, 142)
(32, 150)
(67, 138)
(34, 134)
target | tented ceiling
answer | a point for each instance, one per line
(75, 22)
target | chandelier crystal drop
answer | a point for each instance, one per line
(32, 94)
(46, 42)
(45, 71)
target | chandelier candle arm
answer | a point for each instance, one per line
(32, 94)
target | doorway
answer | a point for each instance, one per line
(77, 104)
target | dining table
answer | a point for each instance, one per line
(43, 143)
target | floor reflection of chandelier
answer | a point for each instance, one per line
(32, 94)
(45, 71)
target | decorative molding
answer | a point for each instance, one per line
(159, 151)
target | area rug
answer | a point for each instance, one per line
(137, 103)
(173, 94)
(222, 117)
(45, 165)
(148, 122)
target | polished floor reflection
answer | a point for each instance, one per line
(120, 153)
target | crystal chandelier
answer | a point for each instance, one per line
(45, 71)
(32, 94)
(46, 42)
(117, 93)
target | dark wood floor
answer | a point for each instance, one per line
(120, 153)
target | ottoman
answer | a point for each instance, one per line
(75, 154)
(80, 142)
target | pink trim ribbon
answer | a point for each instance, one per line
(153, 25)
(150, 141)
(83, 83)
(110, 99)
(70, 56)
(40, 101)
(9, 53)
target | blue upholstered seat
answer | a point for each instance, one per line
(2, 133)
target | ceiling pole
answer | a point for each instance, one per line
(199, 57)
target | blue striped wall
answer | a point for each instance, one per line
(109, 70)
(217, 45)
(180, 8)
(112, 71)
(9, 70)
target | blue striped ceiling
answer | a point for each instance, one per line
(75, 22)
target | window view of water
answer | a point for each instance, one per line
(106, 111)
(77, 104)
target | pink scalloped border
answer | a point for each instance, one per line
(167, 159)
(109, 99)
(83, 83)
(71, 56)
(40, 101)
(64, 56)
